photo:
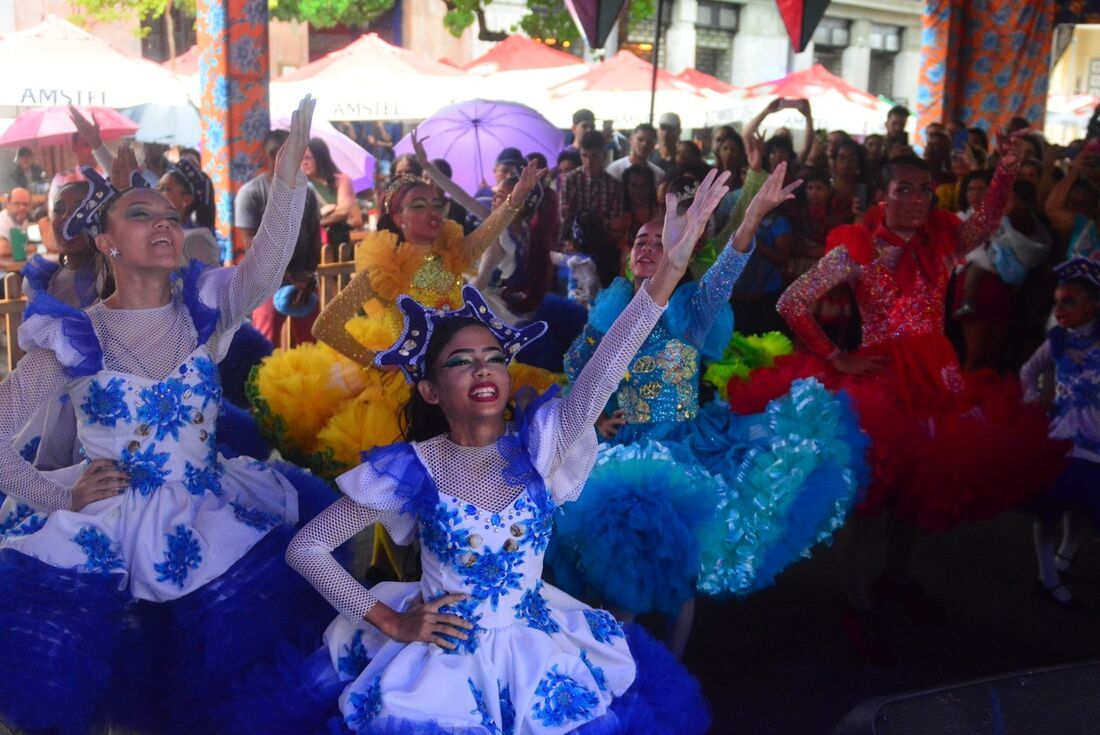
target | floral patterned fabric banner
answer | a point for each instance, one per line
(233, 72)
(984, 61)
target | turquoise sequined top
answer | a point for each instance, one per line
(662, 382)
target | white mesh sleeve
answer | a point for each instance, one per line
(310, 554)
(572, 420)
(260, 272)
(37, 380)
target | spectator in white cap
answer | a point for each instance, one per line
(668, 135)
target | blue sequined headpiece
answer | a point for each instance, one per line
(202, 189)
(410, 348)
(101, 192)
(1085, 268)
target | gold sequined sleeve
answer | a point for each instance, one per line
(330, 325)
(797, 303)
(487, 232)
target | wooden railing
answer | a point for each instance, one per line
(335, 270)
(334, 273)
(11, 311)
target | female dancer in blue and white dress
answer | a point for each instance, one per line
(155, 514)
(480, 644)
(687, 496)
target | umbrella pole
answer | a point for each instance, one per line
(656, 55)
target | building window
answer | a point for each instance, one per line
(721, 16)
(832, 32)
(880, 81)
(885, 38)
(714, 61)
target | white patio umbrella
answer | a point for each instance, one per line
(56, 63)
(619, 90)
(371, 80)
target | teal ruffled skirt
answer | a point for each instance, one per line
(719, 505)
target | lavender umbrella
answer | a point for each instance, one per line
(469, 135)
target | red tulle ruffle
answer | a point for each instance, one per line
(946, 446)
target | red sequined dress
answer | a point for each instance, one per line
(946, 446)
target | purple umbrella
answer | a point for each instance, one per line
(470, 135)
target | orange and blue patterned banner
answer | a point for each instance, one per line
(233, 73)
(984, 61)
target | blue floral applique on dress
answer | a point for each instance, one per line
(254, 517)
(97, 547)
(532, 608)
(203, 479)
(31, 525)
(564, 699)
(15, 517)
(507, 712)
(163, 407)
(467, 610)
(210, 385)
(440, 532)
(30, 449)
(182, 555)
(603, 625)
(481, 707)
(491, 574)
(597, 673)
(540, 530)
(354, 659)
(106, 404)
(367, 705)
(146, 469)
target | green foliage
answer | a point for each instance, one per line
(461, 14)
(549, 19)
(329, 13)
(641, 10)
(110, 11)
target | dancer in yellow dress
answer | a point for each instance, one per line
(323, 404)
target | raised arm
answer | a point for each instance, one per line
(716, 284)
(446, 183)
(260, 272)
(754, 180)
(1061, 216)
(601, 374)
(497, 222)
(981, 226)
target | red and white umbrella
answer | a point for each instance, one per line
(521, 70)
(55, 63)
(835, 102)
(51, 126)
(619, 90)
(370, 79)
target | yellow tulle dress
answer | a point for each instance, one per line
(321, 405)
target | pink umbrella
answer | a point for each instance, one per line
(52, 126)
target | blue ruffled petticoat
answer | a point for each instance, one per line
(720, 504)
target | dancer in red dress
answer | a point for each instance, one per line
(947, 446)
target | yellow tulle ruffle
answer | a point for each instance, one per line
(393, 268)
(323, 411)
